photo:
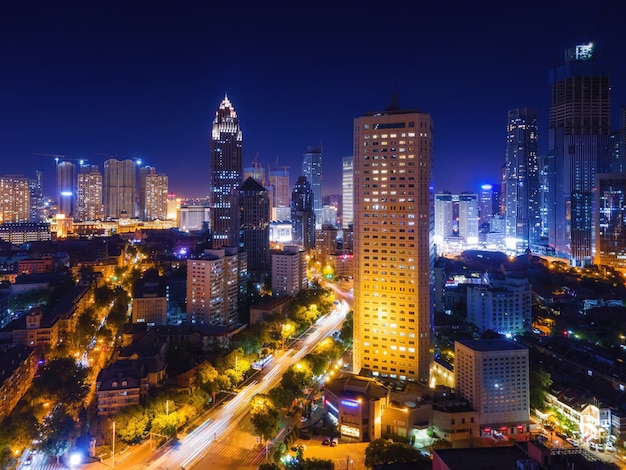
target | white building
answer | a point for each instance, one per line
(288, 271)
(347, 195)
(492, 375)
(504, 305)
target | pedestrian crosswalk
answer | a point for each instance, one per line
(232, 452)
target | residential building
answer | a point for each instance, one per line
(14, 199)
(492, 375)
(468, 218)
(312, 171)
(155, 197)
(393, 214)
(149, 302)
(523, 218)
(226, 172)
(288, 271)
(610, 220)
(347, 187)
(142, 194)
(120, 188)
(66, 188)
(579, 147)
(17, 369)
(89, 194)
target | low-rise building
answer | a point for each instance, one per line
(17, 369)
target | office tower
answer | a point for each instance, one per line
(66, 188)
(468, 218)
(496, 199)
(522, 213)
(254, 229)
(288, 271)
(618, 145)
(155, 198)
(89, 193)
(444, 220)
(502, 305)
(14, 199)
(144, 171)
(392, 251)
(255, 172)
(492, 375)
(312, 170)
(347, 187)
(325, 246)
(502, 207)
(302, 215)
(120, 187)
(579, 135)
(610, 221)
(213, 286)
(226, 174)
(281, 203)
(36, 197)
(486, 204)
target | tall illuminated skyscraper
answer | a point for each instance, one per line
(66, 188)
(393, 213)
(312, 169)
(226, 174)
(254, 228)
(14, 199)
(302, 215)
(578, 142)
(522, 213)
(120, 187)
(144, 171)
(347, 189)
(89, 194)
(279, 181)
(156, 196)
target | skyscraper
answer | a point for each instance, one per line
(302, 215)
(523, 219)
(144, 171)
(312, 169)
(155, 197)
(89, 193)
(254, 228)
(120, 187)
(392, 251)
(66, 187)
(226, 174)
(610, 220)
(347, 187)
(14, 199)
(579, 139)
(281, 204)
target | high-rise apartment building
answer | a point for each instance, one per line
(89, 194)
(120, 187)
(392, 251)
(36, 198)
(302, 215)
(66, 188)
(281, 204)
(579, 141)
(522, 213)
(312, 170)
(225, 174)
(468, 218)
(610, 221)
(156, 196)
(288, 271)
(14, 199)
(347, 187)
(492, 375)
(254, 228)
(144, 171)
(213, 286)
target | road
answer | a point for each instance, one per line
(193, 447)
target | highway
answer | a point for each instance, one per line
(191, 448)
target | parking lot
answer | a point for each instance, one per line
(344, 456)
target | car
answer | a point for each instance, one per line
(573, 442)
(334, 441)
(593, 446)
(600, 447)
(29, 461)
(609, 447)
(326, 442)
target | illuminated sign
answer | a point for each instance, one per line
(584, 51)
(350, 431)
(486, 187)
(349, 404)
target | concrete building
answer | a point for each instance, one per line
(89, 194)
(312, 171)
(155, 196)
(149, 303)
(14, 199)
(492, 375)
(120, 188)
(347, 188)
(288, 271)
(17, 369)
(392, 244)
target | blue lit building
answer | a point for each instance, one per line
(312, 170)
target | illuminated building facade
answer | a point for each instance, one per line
(142, 208)
(579, 140)
(226, 171)
(281, 204)
(347, 187)
(392, 250)
(492, 375)
(14, 199)
(302, 215)
(288, 271)
(610, 223)
(120, 187)
(156, 197)
(66, 188)
(254, 228)
(468, 218)
(89, 194)
(522, 213)
(312, 170)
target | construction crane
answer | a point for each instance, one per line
(58, 158)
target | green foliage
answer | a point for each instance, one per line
(18, 429)
(265, 420)
(381, 451)
(61, 380)
(280, 397)
(59, 431)
(347, 329)
(539, 384)
(295, 380)
(132, 423)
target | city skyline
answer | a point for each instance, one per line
(138, 82)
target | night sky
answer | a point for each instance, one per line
(142, 80)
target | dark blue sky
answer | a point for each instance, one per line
(141, 79)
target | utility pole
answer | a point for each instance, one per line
(113, 448)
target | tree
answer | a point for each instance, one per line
(347, 329)
(59, 431)
(62, 381)
(539, 384)
(381, 451)
(266, 422)
(131, 423)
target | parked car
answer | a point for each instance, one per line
(326, 441)
(609, 447)
(573, 442)
(334, 441)
(600, 447)
(593, 445)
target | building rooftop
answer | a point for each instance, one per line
(497, 344)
